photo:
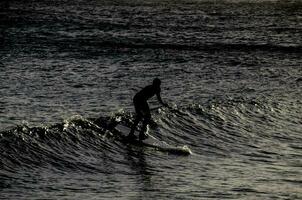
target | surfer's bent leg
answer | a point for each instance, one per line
(138, 117)
(146, 121)
(133, 127)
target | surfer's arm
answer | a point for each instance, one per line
(160, 100)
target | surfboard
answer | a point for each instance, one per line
(151, 142)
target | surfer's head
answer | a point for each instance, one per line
(156, 82)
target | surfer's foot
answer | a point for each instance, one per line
(142, 136)
(131, 137)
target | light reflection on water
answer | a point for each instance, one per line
(232, 72)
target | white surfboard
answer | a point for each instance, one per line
(151, 142)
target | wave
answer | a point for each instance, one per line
(208, 47)
(253, 129)
(215, 46)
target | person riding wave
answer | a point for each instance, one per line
(142, 108)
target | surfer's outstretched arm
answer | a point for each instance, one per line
(161, 101)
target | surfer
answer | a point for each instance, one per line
(142, 108)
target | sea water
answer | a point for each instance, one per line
(231, 70)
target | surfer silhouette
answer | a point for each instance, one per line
(142, 108)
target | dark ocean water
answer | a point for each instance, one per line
(231, 70)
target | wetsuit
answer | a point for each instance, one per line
(142, 108)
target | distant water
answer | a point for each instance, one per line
(231, 70)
